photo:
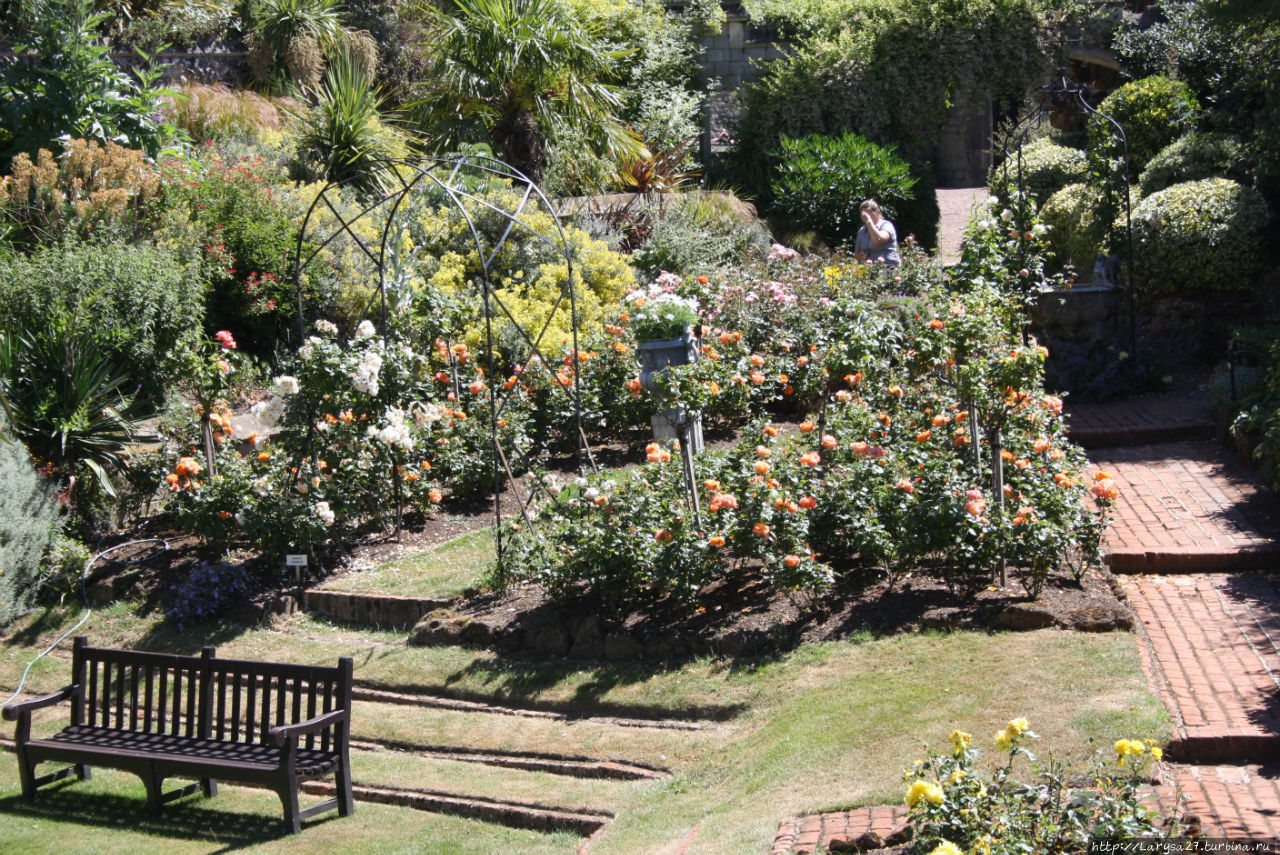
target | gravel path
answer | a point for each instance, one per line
(955, 203)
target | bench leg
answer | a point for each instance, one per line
(152, 780)
(28, 775)
(289, 798)
(83, 772)
(342, 780)
(209, 786)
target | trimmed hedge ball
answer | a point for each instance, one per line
(1153, 111)
(1195, 157)
(1073, 231)
(1198, 235)
(1046, 168)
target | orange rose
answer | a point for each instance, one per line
(806, 426)
(760, 530)
(808, 503)
(716, 540)
(792, 561)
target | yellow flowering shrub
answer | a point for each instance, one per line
(959, 805)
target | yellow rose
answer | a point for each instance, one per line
(1004, 740)
(957, 776)
(960, 740)
(922, 789)
(946, 847)
(1018, 726)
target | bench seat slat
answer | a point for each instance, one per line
(105, 743)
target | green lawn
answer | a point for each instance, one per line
(827, 726)
(444, 570)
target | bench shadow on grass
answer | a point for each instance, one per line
(62, 803)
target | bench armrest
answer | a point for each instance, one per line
(12, 711)
(280, 735)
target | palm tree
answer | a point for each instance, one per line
(512, 71)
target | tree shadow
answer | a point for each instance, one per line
(190, 819)
(521, 678)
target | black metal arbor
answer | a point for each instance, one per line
(1064, 96)
(463, 180)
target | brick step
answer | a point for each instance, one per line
(1193, 560)
(1102, 437)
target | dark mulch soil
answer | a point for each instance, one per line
(742, 614)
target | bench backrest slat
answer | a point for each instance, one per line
(203, 696)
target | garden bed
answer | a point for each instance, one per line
(742, 615)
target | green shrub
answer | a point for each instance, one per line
(1153, 111)
(697, 233)
(820, 182)
(27, 520)
(1046, 168)
(138, 305)
(1201, 234)
(1194, 157)
(72, 87)
(1073, 228)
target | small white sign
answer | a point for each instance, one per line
(295, 561)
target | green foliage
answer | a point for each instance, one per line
(71, 406)
(1186, 43)
(246, 225)
(28, 517)
(821, 181)
(1195, 157)
(891, 73)
(1046, 168)
(698, 232)
(1198, 235)
(1153, 111)
(344, 136)
(1074, 232)
(73, 88)
(138, 306)
(512, 71)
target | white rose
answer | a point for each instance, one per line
(365, 330)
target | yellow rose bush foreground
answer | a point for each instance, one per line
(958, 806)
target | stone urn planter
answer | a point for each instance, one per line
(656, 356)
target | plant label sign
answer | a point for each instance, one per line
(295, 561)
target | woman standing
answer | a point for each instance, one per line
(877, 238)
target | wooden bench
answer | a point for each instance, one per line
(160, 716)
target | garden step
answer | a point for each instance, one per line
(1180, 417)
(384, 611)
(504, 812)
(1211, 647)
(1188, 507)
(364, 693)
(530, 761)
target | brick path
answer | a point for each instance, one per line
(1210, 634)
(1188, 506)
(1213, 652)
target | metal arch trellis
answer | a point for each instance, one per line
(1060, 94)
(455, 177)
